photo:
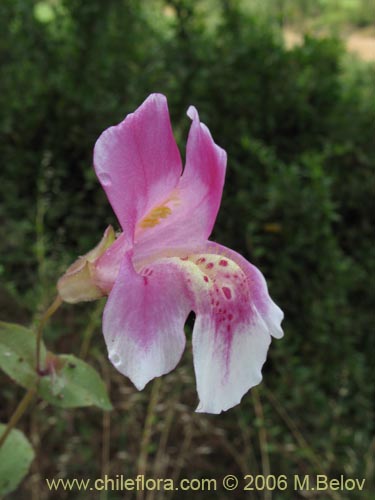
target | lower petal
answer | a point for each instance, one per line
(227, 365)
(144, 319)
(235, 318)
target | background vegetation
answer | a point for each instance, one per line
(297, 125)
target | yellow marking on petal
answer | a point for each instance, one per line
(161, 212)
(154, 217)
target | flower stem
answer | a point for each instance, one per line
(93, 322)
(20, 410)
(39, 332)
(147, 431)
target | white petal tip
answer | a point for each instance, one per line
(139, 385)
(201, 409)
(192, 113)
(156, 97)
(277, 333)
(217, 407)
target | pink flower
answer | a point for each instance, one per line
(162, 266)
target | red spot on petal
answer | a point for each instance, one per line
(230, 317)
(223, 263)
(201, 260)
(145, 280)
(205, 278)
(209, 265)
(227, 292)
(184, 258)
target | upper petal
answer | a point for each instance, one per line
(203, 178)
(138, 162)
(143, 321)
(188, 214)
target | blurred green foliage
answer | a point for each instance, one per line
(297, 127)
(319, 14)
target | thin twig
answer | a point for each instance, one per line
(250, 461)
(236, 455)
(39, 332)
(262, 439)
(106, 435)
(314, 460)
(35, 476)
(188, 437)
(147, 432)
(159, 462)
(19, 411)
(94, 321)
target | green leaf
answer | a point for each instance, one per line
(74, 384)
(16, 455)
(18, 352)
(69, 383)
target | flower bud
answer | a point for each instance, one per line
(78, 284)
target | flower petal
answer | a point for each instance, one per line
(203, 177)
(235, 318)
(188, 214)
(138, 162)
(271, 314)
(143, 321)
(228, 363)
(108, 265)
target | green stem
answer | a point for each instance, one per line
(262, 438)
(20, 410)
(147, 431)
(26, 400)
(90, 329)
(39, 332)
